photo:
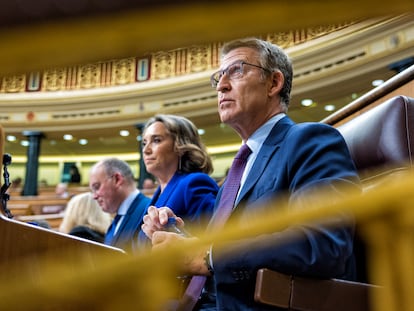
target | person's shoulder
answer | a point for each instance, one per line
(197, 178)
(310, 133)
(313, 127)
(142, 197)
(87, 233)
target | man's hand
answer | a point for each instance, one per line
(193, 262)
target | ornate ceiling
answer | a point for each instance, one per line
(95, 100)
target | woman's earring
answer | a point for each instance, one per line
(179, 164)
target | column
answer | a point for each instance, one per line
(32, 164)
(142, 170)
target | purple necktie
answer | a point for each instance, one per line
(225, 207)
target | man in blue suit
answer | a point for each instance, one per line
(287, 160)
(114, 188)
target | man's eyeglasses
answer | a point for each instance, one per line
(96, 186)
(233, 71)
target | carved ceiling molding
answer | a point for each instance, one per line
(121, 92)
(159, 65)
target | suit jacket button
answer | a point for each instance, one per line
(235, 275)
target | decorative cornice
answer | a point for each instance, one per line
(130, 90)
(159, 65)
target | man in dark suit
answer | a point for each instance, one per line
(287, 160)
(114, 188)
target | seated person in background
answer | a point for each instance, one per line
(283, 160)
(113, 186)
(75, 176)
(149, 186)
(16, 183)
(43, 183)
(61, 190)
(84, 218)
(174, 154)
(41, 223)
(16, 186)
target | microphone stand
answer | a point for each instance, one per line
(3, 195)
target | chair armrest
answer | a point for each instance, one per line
(273, 288)
(297, 293)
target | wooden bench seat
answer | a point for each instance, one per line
(18, 209)
(54, 220)
(38, 205)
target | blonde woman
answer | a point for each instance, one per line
(85, 218)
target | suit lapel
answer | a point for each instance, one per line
(163, 197)
(270, 146)
(126, 219)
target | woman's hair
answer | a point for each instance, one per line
(187, 143)
(271, 57)
(83, 210)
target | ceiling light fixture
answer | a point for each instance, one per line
(307, 102)
(11, 138)
(329, 107)
(67, 137)
(83, 141)
(124, 133)
(377, 82)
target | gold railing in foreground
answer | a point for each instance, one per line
(145, 282)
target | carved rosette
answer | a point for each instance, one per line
(13, 84)
(199, 58)
(163, 65)
(89, 76)
(54, 79)
(123, 71)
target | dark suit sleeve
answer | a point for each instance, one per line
(311, 157)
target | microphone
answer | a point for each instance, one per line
(6, 161)
(3, 195)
